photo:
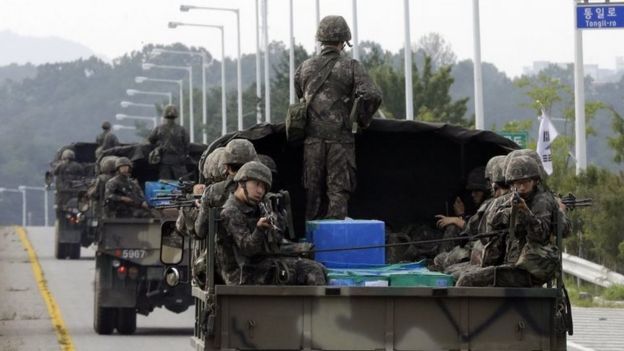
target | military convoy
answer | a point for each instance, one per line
(75, 221)
(407, 173)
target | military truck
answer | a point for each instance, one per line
(407, 172)
(75, 222)
(129, 275)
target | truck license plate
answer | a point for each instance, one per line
(133, 253)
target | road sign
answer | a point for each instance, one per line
(599, 15)
(520, 138)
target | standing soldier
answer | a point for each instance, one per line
(106, 139)
(123, 195)
(172, 146)
(346, 97)
(66, 171)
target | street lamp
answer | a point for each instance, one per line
(239, 84)
(126, 104)
(23, 192)
(121, 126)
(140, 80)
(158, 51)
(121, 117)
(45, 199)
(189, 70)
(223, 93)
(133, 92)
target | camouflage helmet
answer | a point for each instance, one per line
(532, 154)
(122, 161)
(170, 111)
(68, 155)
(256, 171)
(333, 29)
(269, 162)
(213, 169)
(476, 180)
(494, 171)
(239, 152)
(521, 167)
(107, 164)
(106, 125)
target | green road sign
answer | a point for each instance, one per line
(520, 138)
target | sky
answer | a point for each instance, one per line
(513, 33)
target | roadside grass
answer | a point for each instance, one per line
(590, 295)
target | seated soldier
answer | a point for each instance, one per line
(454, 225)
(123, 195)
(529, 258)
(248, 246)
(96, 191)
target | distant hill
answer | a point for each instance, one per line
(21, 49)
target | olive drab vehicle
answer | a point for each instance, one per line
(75, 220)
(407, 172)
(129, 275)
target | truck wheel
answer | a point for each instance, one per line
(60, 249)
(74, 251)
(126, 321)
(103, 317)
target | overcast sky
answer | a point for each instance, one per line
(513, 33)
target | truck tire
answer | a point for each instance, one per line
(73, 251)
(60, 249)
(103, 317)
(126, 321)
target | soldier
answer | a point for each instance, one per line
(107, 171)
(123, 195)
(529, 257)
(66, 171)
(105, 140)
(329, 151)
(172, 142)
(248, 250)
(236, 153)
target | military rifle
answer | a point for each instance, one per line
(572, 202)
(181, 197)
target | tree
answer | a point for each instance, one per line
(617, 142)
(434, 46)
(280, 89)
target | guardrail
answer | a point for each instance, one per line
(590, 271)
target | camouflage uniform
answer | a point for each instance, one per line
(530, 259)
(106, 139)
(174, 143)
(329, 151)
(215, 196)
(247, 254)
(65, 172)
(97, 191)
(122, 185)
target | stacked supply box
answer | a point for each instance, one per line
(337, 234)
(160, 188)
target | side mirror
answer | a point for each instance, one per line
(171, 244)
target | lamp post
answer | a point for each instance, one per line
(407, 50)
(140, 80)
(189, 70)
(239, 84)
(23, 192)
(158, 51)
(126, 104)
(267, 79)
(291, 57)
(121, 126)
(121, 117)
(133, 92)
(23, 188)
(258, 74)
(223, 88)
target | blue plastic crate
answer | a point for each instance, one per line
(153, 189)
(335, 234)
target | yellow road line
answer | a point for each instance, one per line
(62, 333)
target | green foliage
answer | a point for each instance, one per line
(614, 293)
(617, 142)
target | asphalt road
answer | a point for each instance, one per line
(26, 325)
(71, 284)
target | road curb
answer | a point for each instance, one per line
(62, 333)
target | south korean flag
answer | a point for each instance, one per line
(547, 134)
